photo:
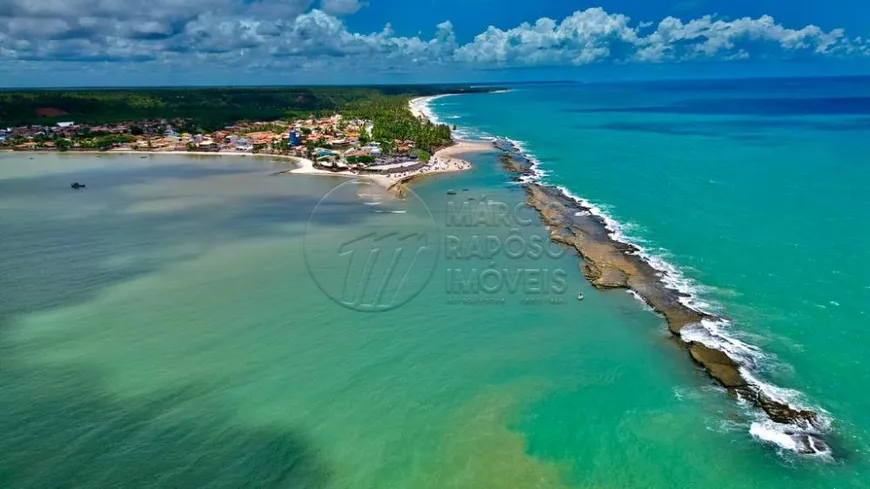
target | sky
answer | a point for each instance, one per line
(54, 43)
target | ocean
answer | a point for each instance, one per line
(189, 322)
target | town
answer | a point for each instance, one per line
(331, 142)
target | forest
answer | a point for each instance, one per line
(211, 108)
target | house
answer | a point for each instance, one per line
(208, 145)
(295, 138)
(403, 146)
(373, 148)
(169, 133)
(65, 125)
(243, 144)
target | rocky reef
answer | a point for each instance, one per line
(611, 264)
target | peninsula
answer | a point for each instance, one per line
(371, 132)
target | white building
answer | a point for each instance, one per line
(373, 148)
(244, 144)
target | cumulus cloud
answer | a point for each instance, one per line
(595, 35)
(288, 35)
(341, 7)
(707, 37)
(580, 38)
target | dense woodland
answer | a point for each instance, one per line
(209, 109)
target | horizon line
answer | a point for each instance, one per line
(441, 84)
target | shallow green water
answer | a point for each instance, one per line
(161, 329)
(756, 190)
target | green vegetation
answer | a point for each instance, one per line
(86, 140)
(393, 120)
(423, 155)
(206, 109)
(361, 159)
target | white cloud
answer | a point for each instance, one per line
(581, 38)
(341, 7)
(594, 35)
(706, 37)
(285, 35)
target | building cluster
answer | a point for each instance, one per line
(332, 142)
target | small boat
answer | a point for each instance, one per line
(465, 190)
(77, 185)
(579, 297)
(451, 192)
(142, 157)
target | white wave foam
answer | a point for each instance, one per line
(535, 174)
(421, 107)
(792, 398)
(710, 332)
(766, 431)
(786, 437)
(640, 299)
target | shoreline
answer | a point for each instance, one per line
(611, 263)
(445, 160)
(419, 107)
(139, 152)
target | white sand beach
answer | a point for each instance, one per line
(420, 107)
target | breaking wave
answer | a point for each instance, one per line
(715, 333)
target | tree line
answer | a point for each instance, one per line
(209, 109)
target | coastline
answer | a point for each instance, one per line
(419, 106)
(611, 262)
(444, 160)
(151, 153)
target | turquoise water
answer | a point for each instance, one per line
(164, 328)
(757, 191)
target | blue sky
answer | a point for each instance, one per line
(245, 42)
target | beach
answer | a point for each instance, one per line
(420, 107)
(445, 160)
